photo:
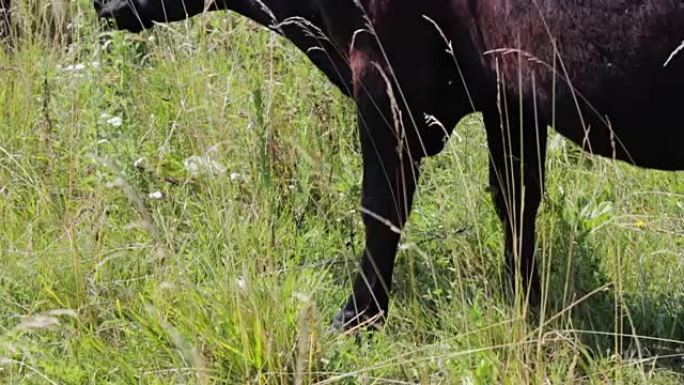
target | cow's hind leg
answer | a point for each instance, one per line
(390, 175)
(516, 176)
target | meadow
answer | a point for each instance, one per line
(181, 207)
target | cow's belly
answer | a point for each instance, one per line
(642, 125)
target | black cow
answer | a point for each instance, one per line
(606, 74)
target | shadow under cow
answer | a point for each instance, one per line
(644, 326)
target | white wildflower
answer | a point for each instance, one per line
(139, 163)
(303, 297)
(241, 283)
(115, 121)
(74, 67)
(155, 195)
(203, 166)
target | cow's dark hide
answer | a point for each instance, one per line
(605, 73)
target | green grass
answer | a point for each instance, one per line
(118, 266)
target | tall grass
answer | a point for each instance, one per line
(53, 22)
(181, 207)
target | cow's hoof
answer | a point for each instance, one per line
(350, 320)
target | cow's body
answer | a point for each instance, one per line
(595, 72)
(614, 54)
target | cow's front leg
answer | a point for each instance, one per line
(516, 178)
(390, 175)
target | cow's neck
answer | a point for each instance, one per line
(264, 12)
(291, 18)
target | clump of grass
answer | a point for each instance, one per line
(54, 23)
